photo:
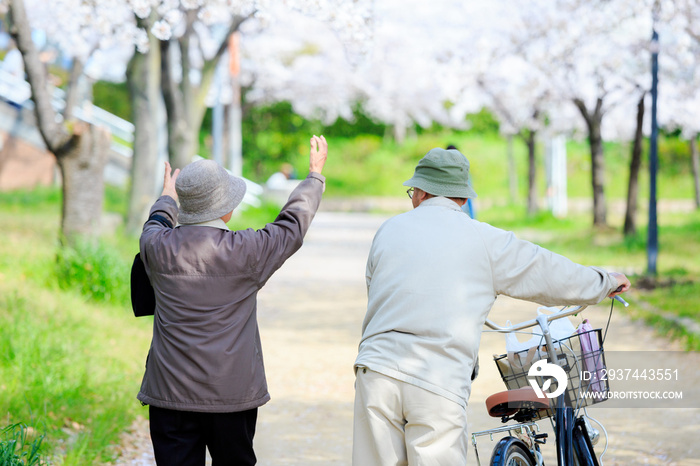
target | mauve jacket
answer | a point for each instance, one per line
(206, 354)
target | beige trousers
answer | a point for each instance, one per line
(398, 424)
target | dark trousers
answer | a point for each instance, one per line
(180, 437)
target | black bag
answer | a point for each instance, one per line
(143, 298)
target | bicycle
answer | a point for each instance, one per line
(573, 432)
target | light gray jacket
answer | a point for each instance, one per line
(206, 354)
(433, 274)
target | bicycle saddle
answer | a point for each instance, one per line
(511, 401)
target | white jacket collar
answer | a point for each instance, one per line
(216, 223)
(440, 201)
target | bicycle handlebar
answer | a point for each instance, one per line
(564, 312)
(621, 301)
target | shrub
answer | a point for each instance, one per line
(97, 271)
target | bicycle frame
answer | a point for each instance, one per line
(563, 417)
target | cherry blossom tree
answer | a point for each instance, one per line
(178, 44)
(148, 116)
(680, 65)
(586, 49)
(314, 73)
(678, 58)
(79, 29)
(518, 97)
(408, 62)
(193, 37)
(422, 64)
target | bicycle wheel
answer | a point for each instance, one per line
(583, 448)
(509, 451)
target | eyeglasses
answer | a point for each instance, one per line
(409, 191)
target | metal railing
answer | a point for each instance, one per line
(17, 91)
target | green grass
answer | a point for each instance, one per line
(70, 363)
(96, 271)
(20, 445)
(372, 166)
(254, 217)
(71, 367)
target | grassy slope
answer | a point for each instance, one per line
(68, 366)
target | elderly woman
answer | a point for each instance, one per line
(204, 378)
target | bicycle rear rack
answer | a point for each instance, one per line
(530, 429)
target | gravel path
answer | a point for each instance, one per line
(310, 316)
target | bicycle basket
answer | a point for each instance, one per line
(579, 356)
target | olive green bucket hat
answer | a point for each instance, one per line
(443, 172)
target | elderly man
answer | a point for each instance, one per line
(433, 274)
(204, 377)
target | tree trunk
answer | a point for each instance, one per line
(143, 78)
(185, 101)
(234, 154)
(530, 140)
(594, 122)
(630, 227)
(80, 149)
(9, 144)
(181, 145)
(512, 173)
(82, 166)
(399, 129)
(52, 132)
(598, 176)
(695, 162)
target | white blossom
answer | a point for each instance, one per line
(141, 8)
(141, 40)
(162, 30)
(173, 17)
(415, 62)
(191, 4)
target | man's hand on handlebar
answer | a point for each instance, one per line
(622, 282)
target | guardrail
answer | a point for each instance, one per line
(18, 92)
